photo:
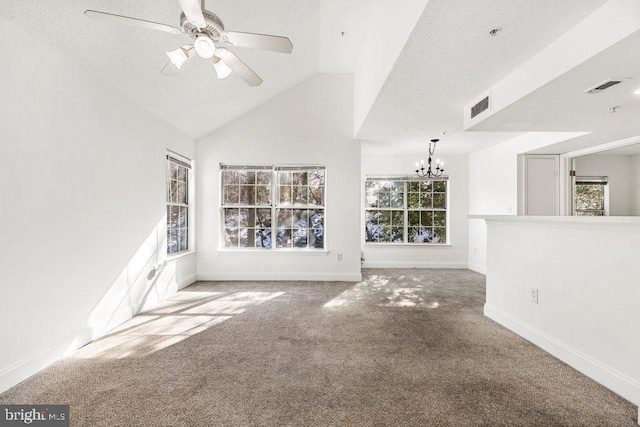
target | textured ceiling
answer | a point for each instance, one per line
(130, 58)
(450, 59)
(560, 105)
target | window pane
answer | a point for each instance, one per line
(419, 235)
(231, 194)
(425, 186)
(300, 195)
(263, 178)
(285, 194)
(397, 218)
(182, 239)
(173, 170)
(182, 174)
(299, 178)
(263, 218)
(283, 239)
(589, 196)
(439, 201)
(440, 218)
(316, 196)
(172, 220)
(413, 199)
(230, 177)
(182, 216)
(247, 195)
(246, 217)
(426, 218)
(426, 200)
(285, 218)
(230, 237)
(263, 238)
(300, 218)
(284, 178)
(263, 195)
(316, 218)
(414, 218)
(384, 199)
(173, 191)
(439, 235)
(182, 193)
(172, 241)
(316, 178)
(397, 234)
(231, 217)
(439, 186)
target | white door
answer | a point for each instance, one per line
(542, 185)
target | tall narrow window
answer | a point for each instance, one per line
(177, 204)
(591, 196)
(402, 210)
(273, 207)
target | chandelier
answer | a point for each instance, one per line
(428, 172)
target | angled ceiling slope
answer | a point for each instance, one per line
(130, 59)
(450, 59)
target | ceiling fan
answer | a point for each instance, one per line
(208, 33)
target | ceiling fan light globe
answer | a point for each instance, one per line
(204, 46)
(178, 57)
(222, 69)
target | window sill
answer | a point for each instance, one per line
(180, 255)
(408, 245)
(297, 252)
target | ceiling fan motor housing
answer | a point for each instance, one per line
(214, 27)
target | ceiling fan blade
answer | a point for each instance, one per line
(103, 16)
(239, 67)
(258, 41)
(193, 12)
(170, 70)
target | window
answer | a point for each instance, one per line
(403, 210)
(591, 196)
(273, 207)
(178, 171)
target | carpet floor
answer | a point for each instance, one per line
(404, 347)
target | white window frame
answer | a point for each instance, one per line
(406, 210)
(274, 206)
(593, 180)
(187, 164)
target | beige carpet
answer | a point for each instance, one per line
(401, 348)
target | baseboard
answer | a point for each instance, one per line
(289, 277)
(18, 372)
(413, 264)
(478, 269)
(186, 281)
(617, 382)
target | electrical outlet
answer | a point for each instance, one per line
(534, 295)
(339, 257)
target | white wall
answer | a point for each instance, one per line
(83, 207)
(621, 170)
(493, 185)
(311, 123)
(454, 255)
(586, 271)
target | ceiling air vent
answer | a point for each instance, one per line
(480, 107)
(602, 86)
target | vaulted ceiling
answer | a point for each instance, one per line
(435, 57)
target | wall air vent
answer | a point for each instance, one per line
(603, 86)
(481, 106)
